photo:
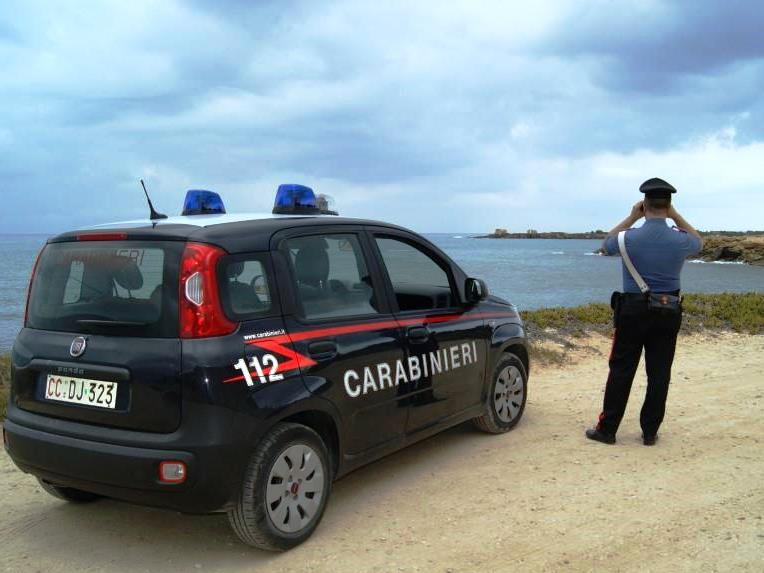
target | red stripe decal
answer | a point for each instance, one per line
(378, 325)
(296, 361)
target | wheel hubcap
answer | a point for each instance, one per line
(294, 489)
(508, 394)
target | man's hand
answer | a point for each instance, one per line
(681, 223)
(637, 211)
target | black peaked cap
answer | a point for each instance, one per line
(656, 187)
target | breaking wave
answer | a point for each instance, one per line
(702, 262)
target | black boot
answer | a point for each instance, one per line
(599, 436)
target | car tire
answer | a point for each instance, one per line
(285, 489)
(68, 493)
(507, 397)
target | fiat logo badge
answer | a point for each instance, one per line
(78, 346)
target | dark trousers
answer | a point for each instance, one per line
(635, 328)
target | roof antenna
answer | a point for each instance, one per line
(154, 214)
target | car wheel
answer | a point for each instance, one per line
(506, 402)
(68, 493)
(285, 489)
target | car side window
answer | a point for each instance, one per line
(244, 286)
(331, 276)
(418, 280)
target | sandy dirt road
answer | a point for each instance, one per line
(540, 498)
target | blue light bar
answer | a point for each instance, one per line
(202, 202)
(292, 198)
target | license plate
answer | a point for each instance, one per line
(81, 391)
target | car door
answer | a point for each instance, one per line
(343, 333)
(445, 341)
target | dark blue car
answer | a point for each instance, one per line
(241, 363)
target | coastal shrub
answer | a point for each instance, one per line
(739, 312)
(559, 325)
(736, 312)
(5, 383)
(573, 320)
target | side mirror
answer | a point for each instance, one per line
(475, 290)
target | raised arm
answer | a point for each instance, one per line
(682, 223)
(637, 212)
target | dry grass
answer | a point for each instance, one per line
(5, 382)
(554, 332)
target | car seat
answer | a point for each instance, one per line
(242, 295)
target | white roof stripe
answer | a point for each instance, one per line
(199, 220)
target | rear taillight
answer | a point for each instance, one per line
(29, 288)
(201, 314)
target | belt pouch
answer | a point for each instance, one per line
(665, 303)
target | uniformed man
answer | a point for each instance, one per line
(657, 252)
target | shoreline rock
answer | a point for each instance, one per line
(746, 249)
(533, 234)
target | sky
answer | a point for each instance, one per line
(454, 116)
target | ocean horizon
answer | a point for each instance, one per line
(531, 273)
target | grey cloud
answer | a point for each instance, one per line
(430, 103)
(656, 50)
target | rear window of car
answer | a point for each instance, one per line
(244, 286)
(125, 288)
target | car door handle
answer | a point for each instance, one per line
(323, 349)
(418, 334)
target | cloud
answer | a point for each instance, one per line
(656, 46)
(718, 180)
(441, 117)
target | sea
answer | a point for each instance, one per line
(531, 273)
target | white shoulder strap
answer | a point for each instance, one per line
(629, 265)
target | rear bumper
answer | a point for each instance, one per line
(127, 473)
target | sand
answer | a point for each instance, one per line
(540, 498)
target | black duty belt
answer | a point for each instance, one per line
(642, 296)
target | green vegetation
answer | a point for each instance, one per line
(736, 312)
(5, 382)
(573, 321)
(733, 233)
(742, 313)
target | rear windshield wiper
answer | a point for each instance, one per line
(97, 322)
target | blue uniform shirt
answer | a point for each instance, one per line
(658, 253)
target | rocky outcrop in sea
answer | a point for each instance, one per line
(745, 249)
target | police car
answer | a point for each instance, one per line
(242, 363)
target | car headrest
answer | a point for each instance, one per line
(233, 270)
(312, 263)
(127, 274)
(97, 282)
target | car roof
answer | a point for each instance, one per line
(234, 232)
